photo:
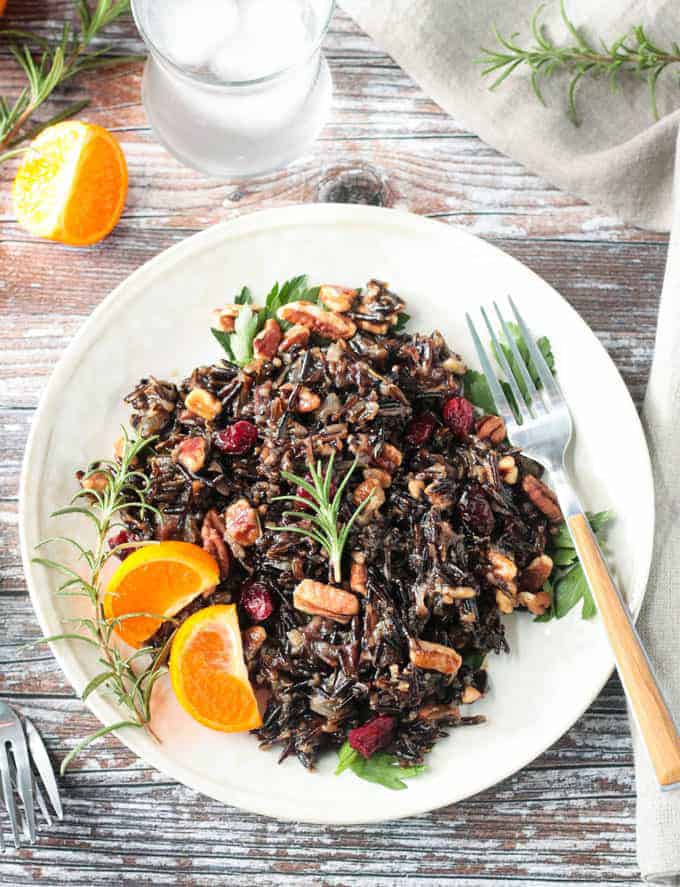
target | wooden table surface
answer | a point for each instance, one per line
(570, 815)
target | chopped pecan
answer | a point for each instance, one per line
(191, 453)
(242, 523)
(491, 428)
(536, 603)
(455, 365)
(535, 575)
(383, 478)
(296, 335)
(378, 329)
(318, 599)
(434, 657)
(389, 458)
(505, 601)
(327, 324)
(470, 695)
(204, 404)
(337, 298)
(357, 578)
(507, 468)
(369, 487)
(415, 487)
(97, 481)
(212, 538)
(451, 593)
(226, 317)
(542, 497)
(307, 401)
(252, 639)
(266, 342)
(502, 574)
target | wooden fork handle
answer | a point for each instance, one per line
(646, 699)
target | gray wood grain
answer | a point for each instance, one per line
(567, 817)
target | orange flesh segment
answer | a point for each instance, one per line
(72, 184)
(158, 580)
(208, 673)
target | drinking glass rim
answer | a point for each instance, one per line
(226, 84)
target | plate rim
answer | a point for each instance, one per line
(298, 214)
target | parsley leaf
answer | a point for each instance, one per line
(477, 391)
(402, 320)
(380, 768)
(475, 659)
(238, 345)
(568, 585)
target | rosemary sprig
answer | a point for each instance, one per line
(48, 66)
(633, 53)
(322, 511)
(129, 678)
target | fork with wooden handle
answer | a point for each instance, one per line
(543, 430)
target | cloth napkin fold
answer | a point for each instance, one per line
(618, 159)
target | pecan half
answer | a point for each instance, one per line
(212, 538)
(383, 478)
(327, 324)
(434, 657)
(535, 575)
(436, 713)
(491, 428)
(242, 523)
(337, 298)
(191, 453)
(266, 342)
(369, 487)
(204, 404)
(502, 574)
(389, 458)
(542, 497)
(318, 599)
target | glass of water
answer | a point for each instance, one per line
(235, 87)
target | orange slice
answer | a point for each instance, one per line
(72, 183)
(158, 580)
(208, 673)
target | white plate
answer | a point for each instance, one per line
(157, 322)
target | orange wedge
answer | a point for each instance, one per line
(158, 580)
(72, 183)
(208, 673)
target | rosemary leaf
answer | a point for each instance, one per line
(633, 54)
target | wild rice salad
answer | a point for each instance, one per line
(451, 533)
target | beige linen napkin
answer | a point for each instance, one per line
(619, 159)
(622, 161)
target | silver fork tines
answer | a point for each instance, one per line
(16, 775)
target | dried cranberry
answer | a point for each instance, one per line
(420, 429)
(256, 601)
(372, 736)
(237, 439)
(120, 539)
(458, 415)
(476, 512)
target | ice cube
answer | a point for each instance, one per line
(271, 36)
(189, 32)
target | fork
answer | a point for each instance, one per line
(17, 774)
(543, 430)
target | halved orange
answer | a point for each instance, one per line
(208, 672)
(72, 184)
(158, 580)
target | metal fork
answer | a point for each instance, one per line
(16, 774)
(544, 432)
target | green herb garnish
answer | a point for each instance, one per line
(322, 510)
(238, 344)
(48, 66)
(381, 768)
(130, 679)
(633, 54)
(567, 585)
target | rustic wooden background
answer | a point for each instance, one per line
(569, 816)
